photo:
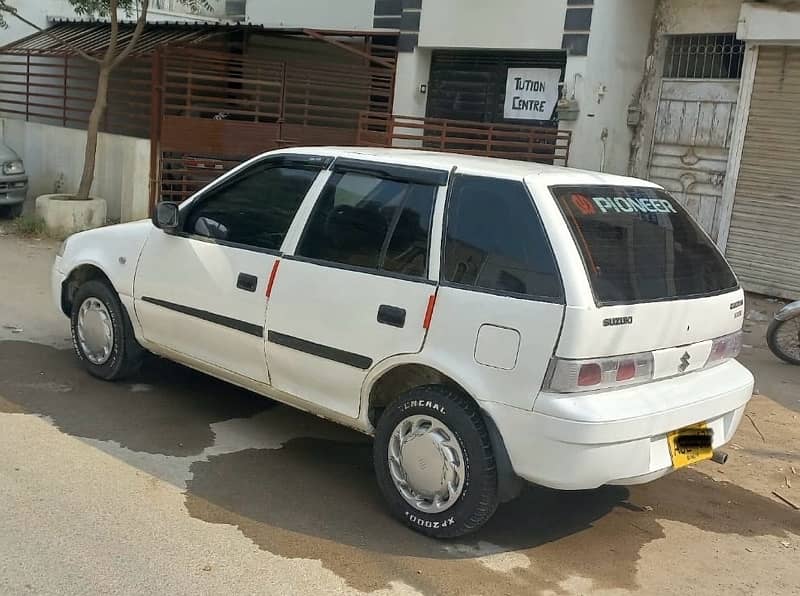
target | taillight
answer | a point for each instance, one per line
(724, 348)
(589, 374)
(569, 376)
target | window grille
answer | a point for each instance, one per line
(705, 56)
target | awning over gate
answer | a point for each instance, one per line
(93, 36)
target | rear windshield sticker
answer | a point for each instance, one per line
(595, 205)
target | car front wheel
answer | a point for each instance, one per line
(102, 334)
(434, 462)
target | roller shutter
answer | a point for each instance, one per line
(764, 240)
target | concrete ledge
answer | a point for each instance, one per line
(66, 216)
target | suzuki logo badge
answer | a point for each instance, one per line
(684, 362)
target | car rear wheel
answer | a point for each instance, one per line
(102, 334)
(434, 462)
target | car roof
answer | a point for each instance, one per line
(476, 165)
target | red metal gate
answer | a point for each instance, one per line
(217, 109)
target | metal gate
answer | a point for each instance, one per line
(689, 157)
(213, 109)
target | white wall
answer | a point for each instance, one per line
(506, 24)
(769, 25)
(699, 16)
(606, 82)
(413, 69)
(36, 11)
(320, 14)
(122, 172)
(216, 8)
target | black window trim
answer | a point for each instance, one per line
(560, 299)
(316, 163)
(357, 269)
(389, 171)
(601, 303)
(425, 277)
(229, 244)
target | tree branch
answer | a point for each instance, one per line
(14, 12)
(137, 33)
(108, 58)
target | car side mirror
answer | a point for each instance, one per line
(166, 216)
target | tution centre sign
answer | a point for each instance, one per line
(531, 93)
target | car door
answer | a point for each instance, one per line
(355, 289)
(201, 291)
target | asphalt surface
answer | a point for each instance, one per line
(176, 483)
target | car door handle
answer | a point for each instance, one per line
(247, 282)
(391, 315)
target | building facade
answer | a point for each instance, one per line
(702, 97)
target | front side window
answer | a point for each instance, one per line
(365, 221)
(639, 244)
(255, 208)
(495, 240)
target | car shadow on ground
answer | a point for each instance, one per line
(316, 498)
(166, 409)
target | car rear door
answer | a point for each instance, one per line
(201, 291)
(356, 288)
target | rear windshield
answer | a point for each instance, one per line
(639, 245)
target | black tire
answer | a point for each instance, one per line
(772, 340)
(479, 498)
(126, 355)
(14, 211)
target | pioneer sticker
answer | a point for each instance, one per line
(595, 205)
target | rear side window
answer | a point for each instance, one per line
(495, 240)
(639, 244)
(365, 221)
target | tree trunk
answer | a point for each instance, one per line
(98, 111)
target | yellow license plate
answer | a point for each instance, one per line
(690, 445)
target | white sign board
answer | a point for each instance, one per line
(531, 93)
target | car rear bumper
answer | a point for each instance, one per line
(590, 443)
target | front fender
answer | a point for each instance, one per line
(114, 250)
(790, 311)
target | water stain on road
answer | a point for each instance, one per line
(317, 498)
(173, 420)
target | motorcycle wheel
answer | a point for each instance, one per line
(783, 338)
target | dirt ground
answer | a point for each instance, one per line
(177, 483)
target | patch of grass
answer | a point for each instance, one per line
(29, 226)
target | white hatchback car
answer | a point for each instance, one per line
(486, 320)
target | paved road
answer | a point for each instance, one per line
(175, 483)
